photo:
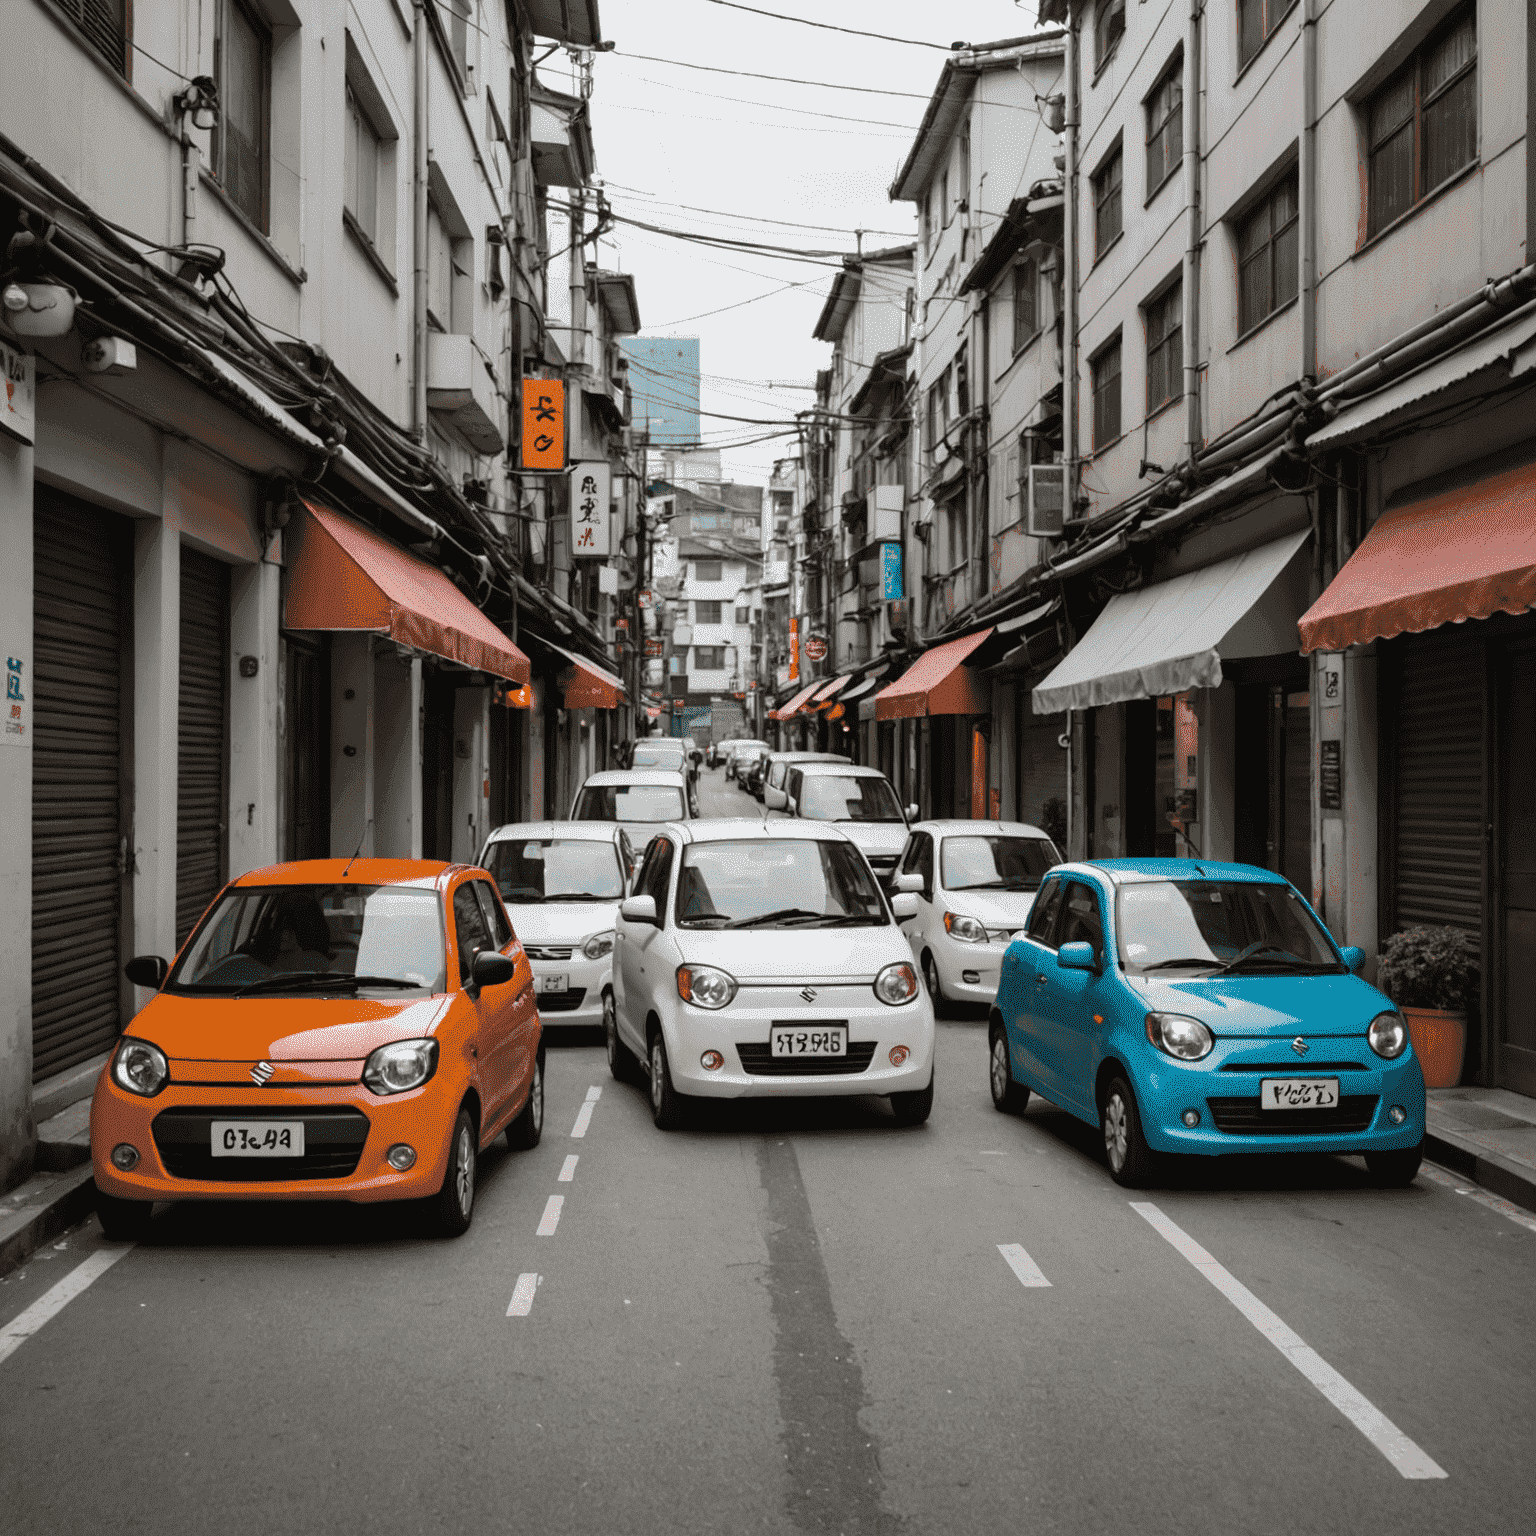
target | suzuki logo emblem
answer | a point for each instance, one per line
(1300, 1046)
(808, 993)
(261, 1072)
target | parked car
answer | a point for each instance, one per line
(775, 766)
(757, 959)
(740, 757)
(332, 1030)
(638, 799)
(975, 882)
(1199, 1008)
(562, 882)
(719, 751)
(671, 752)
(859, 800)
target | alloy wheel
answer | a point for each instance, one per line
(1000, 1078)
(464, 1176)
(1116, 1131)
(536, 1096)
(658, 1071)
(610, 1029)
(931, 979)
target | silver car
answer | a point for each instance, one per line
(638, 799)
(860, 801)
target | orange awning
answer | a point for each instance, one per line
(824, 699)
(938, 683)
(793, 708)
(344, 576)
(1463, 554)
(586, 685)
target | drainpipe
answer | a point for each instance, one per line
(419, 274)
(1189, 317)
(983, 353)
(1069, 276)
(1307, 191)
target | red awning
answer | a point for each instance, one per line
(824, 699)
(587, 685)
(793, 708)
(1464, 554)
(938, 683)
(343, 576)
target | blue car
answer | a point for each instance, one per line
(1201, 1008)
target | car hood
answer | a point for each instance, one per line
(1260, 1007)
(282, 1028)
(880, 837)
(561, 922)
(796, 954)
(997, 909)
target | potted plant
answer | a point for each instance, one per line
(1431, 974)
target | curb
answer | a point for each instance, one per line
(24, 1230)
(1498, 1175)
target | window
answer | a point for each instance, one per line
(1256, 20)
(1042, 914)
(1165, 126)
(1081, 922)
(708, 570)
(1108, 28)
(1165, 347)
(706, 612)
(743, 615)
(242, 51)
(938, 409)
(1026, 286)
(449, 266)
(457, 20)
(469, 921)
(1266, 256)
(495, 917)
(962, 381)
(1106, 201)
(708, 658)
(360, 195)
(1422, 124)
(104, 25)
(1106, 395)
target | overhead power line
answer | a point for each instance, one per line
(752, 74)
(826, 26)
(774, 106)
(851, 133)
(757, 218)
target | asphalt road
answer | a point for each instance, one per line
(793, 1318)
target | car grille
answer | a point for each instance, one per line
(1294, 1068)
(1243, 1117)
(333, 1143)
(755, 1059)
(562, 1002)
(548, 951)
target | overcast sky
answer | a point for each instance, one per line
(668, 136)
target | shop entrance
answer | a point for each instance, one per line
(1515, 1005)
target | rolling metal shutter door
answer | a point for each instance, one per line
(1438, 840)
(79, 558)
(1042, 765)
(200, 781)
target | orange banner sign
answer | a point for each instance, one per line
(543, 424)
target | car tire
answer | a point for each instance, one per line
(667, 1104)
(524, 1132)
(453, 1206)
(123, 1221)
(1009, 1096)
(1132, 1162)
(913, 1108)
(621, 1060)
(933, 984)
(1395, 1170)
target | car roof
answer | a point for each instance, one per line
(959, 826)
(611, 776)
(726, 829)
(576, 831)
(426, 874)
(746, 741)
(807, 757)
(844, 769)
(1133, 871)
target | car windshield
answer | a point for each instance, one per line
(556, 869)
(629, 802)
(777, 883)
(832, 797)
(313, 938)
(1168, 925)
(651, 754)
(995, 863)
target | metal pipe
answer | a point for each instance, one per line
(420, 277)
(1306, 190)
(1069, 275)
(1189, 317)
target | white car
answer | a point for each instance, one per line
(638, 799)
(975, 882)
(740, 756)
(858, 800)
(777, 767)
(561, 883)
(760, 959)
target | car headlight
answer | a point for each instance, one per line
(966, 929)
(1182, 1038)
(1387, 1035)
(704, 986)
(896, 984)
(140, 1067)
(400, 1066)
(596, 945)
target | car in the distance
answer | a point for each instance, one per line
(562, 882)
(637, 799)
(671, 753)
(740, 757)
(1191, 1007)
(860, 801)
(772, 768)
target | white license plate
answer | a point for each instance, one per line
(258, 1138)
(552, 983)
(808, 1040)
(1299, 1093)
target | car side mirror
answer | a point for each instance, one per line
(147, 971)
(1077, 957)
(639, 909)
(911, 881)
(904, 904)
(773, 798)
(491, 969)
(1353, 957)
(696, 757)
(910, 812)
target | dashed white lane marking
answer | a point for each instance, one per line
(551, 1216)
(594, 1093)
(1022, 1265)
(1481, 1196)
(522, 1296)
(1409, 1460)
(53, 1301)
(568, 1170)
(583, 1119)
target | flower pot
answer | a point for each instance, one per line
(1439, 1041)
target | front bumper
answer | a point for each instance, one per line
(581, 1002)
(955, 959)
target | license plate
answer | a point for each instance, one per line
(551, 983)
(1299, 1093)
(808, 1040)
(258, 1138)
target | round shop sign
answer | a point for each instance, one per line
(815, 648)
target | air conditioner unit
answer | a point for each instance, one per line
(1046, 506)
(888, 504)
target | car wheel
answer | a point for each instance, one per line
(1131, 1160)
(123, 1221)
(1395, 1170)
(913, 1108)
(524, 1132)
(453, 1207)
(666, 1102)
(930, 968)
(1008, 1096)
(621, 1060)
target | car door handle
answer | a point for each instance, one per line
(1040, 978)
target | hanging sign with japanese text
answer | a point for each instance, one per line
(543, 424)
(18, 407)
(591, 483)
(890, 573)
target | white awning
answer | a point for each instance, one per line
(1173, 635)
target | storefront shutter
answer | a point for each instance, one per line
(1042, 769)
(200, 777)
(80, 556)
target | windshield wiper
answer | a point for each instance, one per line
(850, 920)
(999, 885)
(581, 896)
(1256, 951)
(770, 917)
(1168, 965)
(312, 981)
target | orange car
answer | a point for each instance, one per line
(335, 1029)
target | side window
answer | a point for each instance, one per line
(1080, 919)
(1042, 916)
(657, 875)
(642, 886)
(495, 916)
(796, 785)
(469, 924)
(908, 862)
(626, 857)
(925, 864)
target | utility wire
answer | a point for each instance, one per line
(743, 101)
(826, 26)
(845, 133)
(751, 74)
(757, 218)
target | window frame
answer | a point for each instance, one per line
(1031, 284)
(706, 602)
(700, 664)
(1264, 206)
(701, 567)
(1274, 12)
(1169, 300)
(219, 141)
(1102, 194)
(78, 13)
(1106, 37)
(1098, 388)
(358, 115)
(1168, 129)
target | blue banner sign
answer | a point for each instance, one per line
(890, 573)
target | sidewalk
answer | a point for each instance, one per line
(1488, 1135)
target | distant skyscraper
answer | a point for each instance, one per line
(664, 388)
